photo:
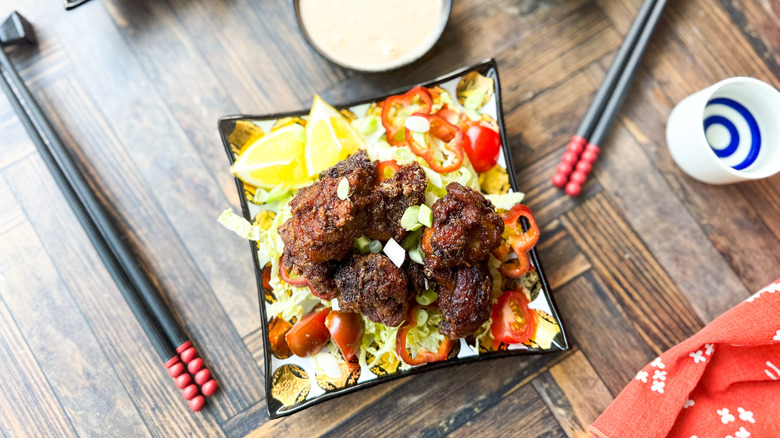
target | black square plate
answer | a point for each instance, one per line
(294, 383)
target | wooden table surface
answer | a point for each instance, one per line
(645, 258)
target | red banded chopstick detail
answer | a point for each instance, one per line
(196, 367)
(571, 174)
(568, 161)
(582, 169)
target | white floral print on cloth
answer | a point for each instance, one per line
(722, 382)
(698, 356)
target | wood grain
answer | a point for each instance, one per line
(81, 376)
(183, 283)
(652, 301)
(574, 393)
(644, 258)
(602, 330)
(124, 344)
(28, 404)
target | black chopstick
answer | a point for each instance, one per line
(147, 305)
(616, 81)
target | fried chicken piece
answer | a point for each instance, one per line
(323, 226)
(372, 285)
(358, 160)
(465, 299)
(319, 276)
(416, 276)
(390, 200)
(465, 229)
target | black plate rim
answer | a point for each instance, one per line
(487, 67)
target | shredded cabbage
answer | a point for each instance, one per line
(384, 337)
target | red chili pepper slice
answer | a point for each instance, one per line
(396, 109)
(386, 170)
(299, 281)
(515, 268)
(441, 130)
(423, 355)
(521, 241)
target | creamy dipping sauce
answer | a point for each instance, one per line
(372, 34)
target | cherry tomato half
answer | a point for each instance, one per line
(309, 334)
(513, 322)
(346, 330)
(482, 145)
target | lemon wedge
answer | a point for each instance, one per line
(331, 138)
(275, 158)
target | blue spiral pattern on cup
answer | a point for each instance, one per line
(730, 122)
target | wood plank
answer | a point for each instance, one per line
(760, 24)
(598, 325)
(459, 394)
(546, 201)
(11, 214)
(317, 420)
(554, 53)
(239, 53)
(697, 46)
(183, 79)
(158, 241)
(81, 376)
(151, 142)
(124, 344)
(521, 413)
(15, 144)
(561, 259)
(254, 343)
(574, 393)
(543, 125)
(28, 404)
(674, 238)
(638, 283)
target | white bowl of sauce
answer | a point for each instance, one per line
(372, 35)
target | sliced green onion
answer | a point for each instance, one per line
(343, 190)
(375, 246)
(362, 243)
(433, 177)
(409, 219)
(411, 241)
(425, 216)
(421, 317)
(416, 255)
(426, 298)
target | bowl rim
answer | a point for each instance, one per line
(447, 9)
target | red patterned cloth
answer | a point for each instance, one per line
(724, 381)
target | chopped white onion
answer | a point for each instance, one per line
(343, 189)
(394, 251)
(329, 364)
(417, 124)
